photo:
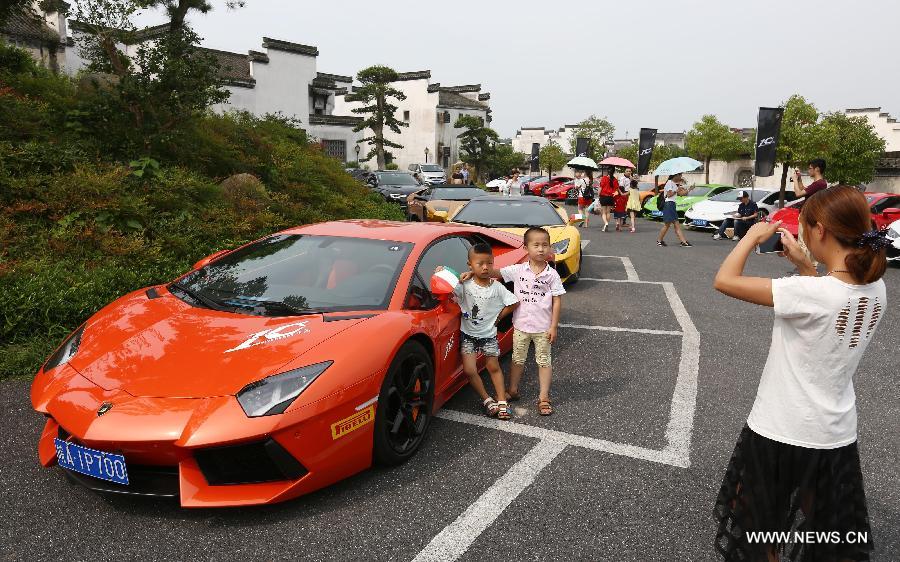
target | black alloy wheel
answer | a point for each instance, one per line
(404, 405)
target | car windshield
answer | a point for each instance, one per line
(299, 272)
(503, 212)
(538, 179)
(396, 178)
(732, 195)
(699, 191)
(457, 193)
(431, 168)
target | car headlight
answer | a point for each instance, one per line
(396, 195)
(66, 351)
(272, 395)
(561, 246)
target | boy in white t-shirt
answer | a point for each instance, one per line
(484, 304)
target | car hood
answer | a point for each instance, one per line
(403, 189)
(557, 233)
(164, 347)
(714, 208)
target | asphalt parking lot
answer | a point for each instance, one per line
(655, 374)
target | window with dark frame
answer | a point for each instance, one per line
(335, 149)
(406, 115)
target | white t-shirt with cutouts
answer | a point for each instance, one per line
(822, 328)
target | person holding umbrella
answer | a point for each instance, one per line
(609, 186)
(673, 168)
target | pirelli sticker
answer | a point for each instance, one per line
(354, 422)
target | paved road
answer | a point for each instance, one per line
(619, 473)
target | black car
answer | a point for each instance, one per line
(393, 185)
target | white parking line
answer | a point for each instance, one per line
(456, 537)
(630, 271)
(617, 329)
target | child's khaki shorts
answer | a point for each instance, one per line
(521, 343)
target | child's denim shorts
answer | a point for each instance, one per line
(489, 346)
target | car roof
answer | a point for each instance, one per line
(414, 232)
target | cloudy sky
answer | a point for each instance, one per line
(640, 63)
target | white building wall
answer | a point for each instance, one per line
(240, 98)
(282, 84)
(885, 126)
(448, 135)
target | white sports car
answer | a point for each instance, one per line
(711, 212)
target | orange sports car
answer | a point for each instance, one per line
(268, 371)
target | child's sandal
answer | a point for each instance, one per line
(491, 408)
(503, 410)
(544, 407)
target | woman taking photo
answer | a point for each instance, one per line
(671, 190)
(584, 189)
(795, 467)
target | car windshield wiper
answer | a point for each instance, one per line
(286, 307)
(198, 296)
(473, 223)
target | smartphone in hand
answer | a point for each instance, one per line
(771, 246)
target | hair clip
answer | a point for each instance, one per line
(875, 239)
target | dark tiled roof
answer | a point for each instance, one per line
(341, 120)
(234, 68)
(452, 99)
(334, 77)
(436, 87)
(484, 97)
(462, 89)
(29, 26)
(298, 48)
(257, 56)
(148, 33)
(418, 75)
(340, 92)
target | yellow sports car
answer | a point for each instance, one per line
(435, 202)
(516, 214)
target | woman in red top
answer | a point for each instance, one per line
(609, 186)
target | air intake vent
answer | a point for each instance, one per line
(247, 463)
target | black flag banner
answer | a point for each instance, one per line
(535, 157)
(768, 128)
(645, 150)
(583, 147)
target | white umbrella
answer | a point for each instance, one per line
(582, 163)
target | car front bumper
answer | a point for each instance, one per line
(207, 452)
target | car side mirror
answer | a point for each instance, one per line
(891, 214)
(203, 262)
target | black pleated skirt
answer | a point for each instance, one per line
(816, 496)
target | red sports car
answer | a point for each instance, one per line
(539, 186)
(268, 371)
(561, 191)
(885, 209)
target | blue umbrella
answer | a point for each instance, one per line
(678, 165)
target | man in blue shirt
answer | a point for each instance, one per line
(743, 219)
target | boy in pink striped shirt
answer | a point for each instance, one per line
(539, 290)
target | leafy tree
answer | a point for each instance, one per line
(374, 95)
(502, 159)
(167, 83)
(853, 148)
(709, 139)
(552, 157)
(476, 143)
(597, 130)
(796, 140)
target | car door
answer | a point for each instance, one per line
(441, 321)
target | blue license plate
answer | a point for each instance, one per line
(99, 464)
(699, 222)
(656, 213)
